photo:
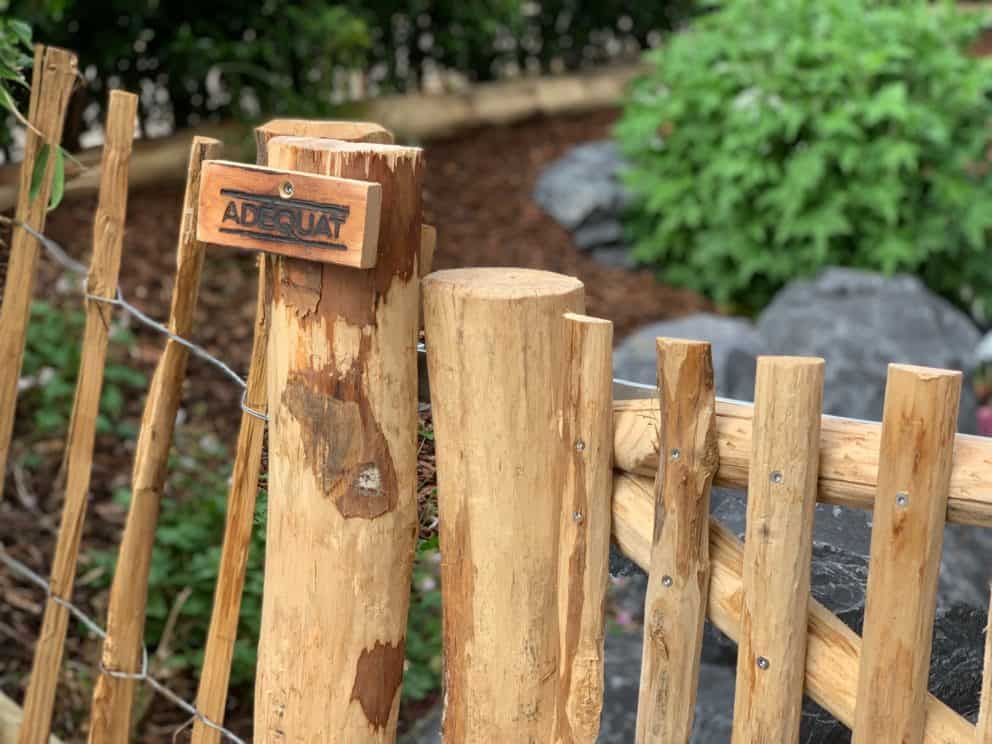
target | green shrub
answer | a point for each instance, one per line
(776, 137)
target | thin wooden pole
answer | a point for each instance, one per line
(497, 348)
(584, 531)
(219, 651)
(984, 733)
(848, 457)
(833, 650)
(342, 520)
(920, 414)
(678, 580)
(108, 237)
(52, 81)
(113, 695)
(781, 503)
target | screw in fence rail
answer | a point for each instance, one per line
(108, 234)
(52, 82)
(219, 650)
(113, 697)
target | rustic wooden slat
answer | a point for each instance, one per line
(342, 509)
(920, 414)
(584, 533)
(497, 350)
(984, 735)
(833, 649)
(52, 81)
(781, 502)
(108, 237)
(848, 457)
(113, 696)
(679, 576)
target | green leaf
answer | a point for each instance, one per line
(38, 173)
(58, 179)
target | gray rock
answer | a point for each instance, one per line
(616, 257)
(860, 322)
(736, 344)
(596, 234)
(983, 354)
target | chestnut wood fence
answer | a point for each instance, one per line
(539, 469)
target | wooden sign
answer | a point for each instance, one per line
(317, 218)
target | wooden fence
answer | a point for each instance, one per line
(538, 470)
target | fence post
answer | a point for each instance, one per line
(498, 351)
(342, 512)
(108, 237)
(52, 81)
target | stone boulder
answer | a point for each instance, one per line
(735, 342)
(859, 322)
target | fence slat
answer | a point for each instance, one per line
(108, 237)
(679, 576)
(219, 650)
(342, 520)
(113, 696)
(918, 423)
(833, 649)
(781, 502)
(496, 349)
(53, 78)
(584, 534)
(984, 735)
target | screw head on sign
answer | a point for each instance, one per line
(579, 445)
(676, 453)
(902, 499)
(776, 477)
(577, 516)
(763, 663)
(666, 580)
(286, 190)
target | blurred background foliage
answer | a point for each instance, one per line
(211, 60)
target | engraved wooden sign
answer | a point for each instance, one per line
(317, 218)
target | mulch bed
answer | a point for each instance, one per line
(477, 193)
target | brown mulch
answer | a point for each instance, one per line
(478, 194)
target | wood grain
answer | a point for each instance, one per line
(108, 237)
(584, 532)
(52, 81)
(920, 414)
(833, 650)
(289, 213)
(350, 131)
(497, 349)
(679, 574)
(342, 521)
(113, 697)
(984, 729)
(781, 503)
(848, 472)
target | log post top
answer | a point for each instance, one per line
(497, 283)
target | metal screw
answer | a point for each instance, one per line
(287, 189)
(763, 663)
(579, 445)
(777, 476)
(902, 498)
(676, 453)
(666, 580)
(577, 516)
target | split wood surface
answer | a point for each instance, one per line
(849, 463)
(920, 414)
(679, 574)
(113, 696)
(342, 523)
(781, 501)
(219, 650)
(108, 237)
(985, 705)
(497, 401)
(52, 81)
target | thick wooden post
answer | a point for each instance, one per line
(113, 695)
(497, 347)
(985, 705)
(216, 671)
(342, 467)
(108, 236)
(52, 81)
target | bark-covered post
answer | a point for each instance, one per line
(500, 356)
(342, 519)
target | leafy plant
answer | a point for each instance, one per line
(776, 137)
(51, 363)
